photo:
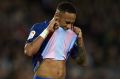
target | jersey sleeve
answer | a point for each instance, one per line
(35, 31)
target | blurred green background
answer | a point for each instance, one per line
(98, 19)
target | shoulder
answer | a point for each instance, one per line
(40, 25)
(36, 29)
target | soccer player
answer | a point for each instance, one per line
(50, 43)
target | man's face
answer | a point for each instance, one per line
(66, 20)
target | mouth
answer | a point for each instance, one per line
(65, 28)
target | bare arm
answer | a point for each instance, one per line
(82, 56)
(33, 47)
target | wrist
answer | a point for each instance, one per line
(79, 35)
(44, 33)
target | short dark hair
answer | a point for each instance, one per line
(66, 7)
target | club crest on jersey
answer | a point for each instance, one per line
(31, 35)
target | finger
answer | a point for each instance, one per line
(72, 28)
(56, 25)
(56, 16)
(52, 22)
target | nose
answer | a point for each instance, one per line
(69, 26)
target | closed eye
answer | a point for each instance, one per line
(68, 22)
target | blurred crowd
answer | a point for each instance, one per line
(98, 19)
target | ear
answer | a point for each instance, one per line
(57, 16)
(58, 13)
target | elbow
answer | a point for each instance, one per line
(82, 62)
(27, 51)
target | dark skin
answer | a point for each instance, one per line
(56, 69)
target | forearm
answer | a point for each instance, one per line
(81, 59)
(33, 47)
